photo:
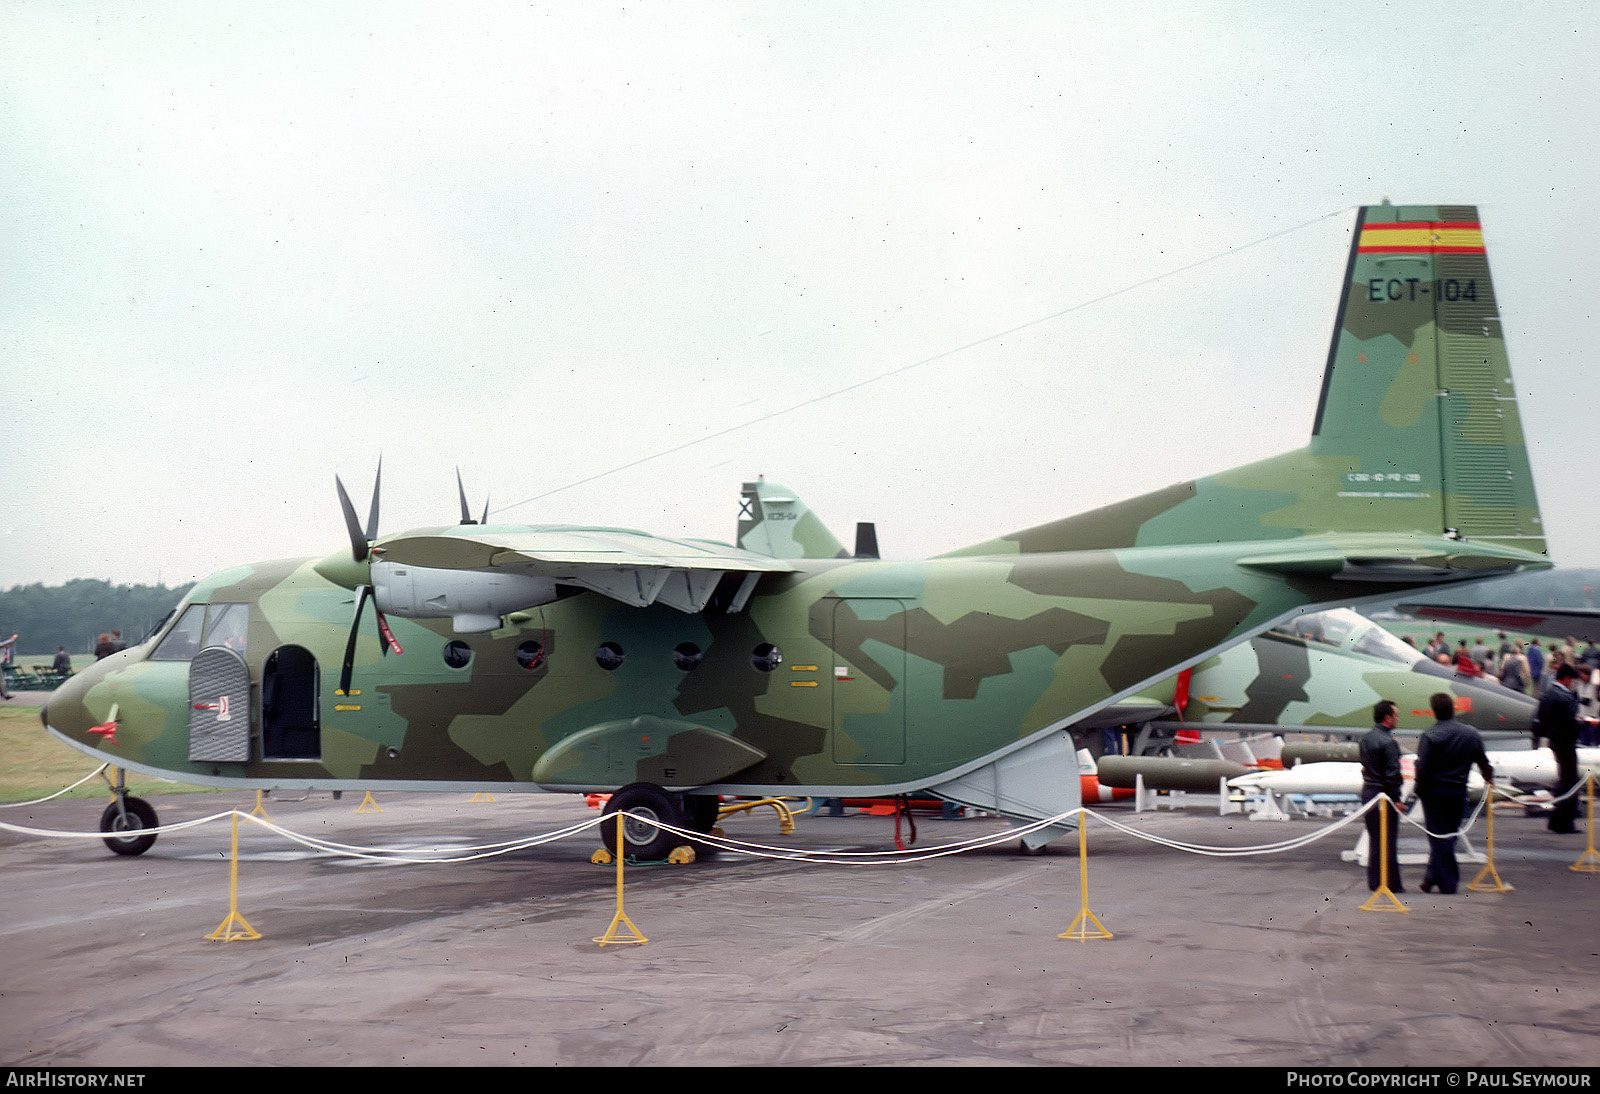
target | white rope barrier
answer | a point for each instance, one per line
(439, 854)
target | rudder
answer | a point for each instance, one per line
(1416, 432)
(773, 521)
(1418, 396)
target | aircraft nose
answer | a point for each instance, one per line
(65, 710)
(1497, 709)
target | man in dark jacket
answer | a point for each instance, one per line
(1380, 774)
(1559, 724)
(1445, 754)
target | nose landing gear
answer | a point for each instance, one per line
(127, 818)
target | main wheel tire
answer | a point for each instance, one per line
(703, 811)
(641, 839)
(138, 816)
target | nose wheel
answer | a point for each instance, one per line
(126, 820)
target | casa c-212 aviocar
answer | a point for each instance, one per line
(669, 672)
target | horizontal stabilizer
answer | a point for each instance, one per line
(1404, 559)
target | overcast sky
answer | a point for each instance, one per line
(247, 246)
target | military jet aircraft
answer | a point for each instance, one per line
(560, 658)
(1322, 673)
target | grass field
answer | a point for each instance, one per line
(1422, 631)
(36, 764)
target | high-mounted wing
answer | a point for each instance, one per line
(474, 575)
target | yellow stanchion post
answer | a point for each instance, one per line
(261, 807)
(1488, 879)
(368, 805)
(1589, 861)
(1377, 902)
(611, 937)
(1080, 926)
(236, 928)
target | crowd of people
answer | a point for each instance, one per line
(1528, 668)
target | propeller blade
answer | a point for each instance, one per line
(372, 516)
(466, 514)
(362, 592)
(389, 640)
(359, 543)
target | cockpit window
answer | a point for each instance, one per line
(183, 641)
(227, 625)
(1325, 628)
(1378, 642)
(203, 625)
(1347, 630)
(158, 628)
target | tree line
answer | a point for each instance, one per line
(74, 615)
(1563, 587)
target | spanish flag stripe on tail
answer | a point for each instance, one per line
(1422, 237)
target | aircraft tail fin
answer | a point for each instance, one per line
(773, 521)
(1416, 432)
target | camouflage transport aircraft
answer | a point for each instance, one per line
(669, 671)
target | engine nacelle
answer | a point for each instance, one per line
(474, 600)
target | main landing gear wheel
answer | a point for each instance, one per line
(703, 811)
(129, 818)
(643, 840)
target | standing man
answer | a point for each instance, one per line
(1514, 670)
(7, 647)
(1445, 754)
(1380, 774)
(1439, 647)
(1559, 724)
(1535, 661)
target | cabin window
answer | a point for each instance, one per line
(766, 657)
(687, 656)
(457, 653)
(609, 656)
(530, 655)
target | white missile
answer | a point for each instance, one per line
(1535, 767)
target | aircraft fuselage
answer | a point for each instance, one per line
(844, 675)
